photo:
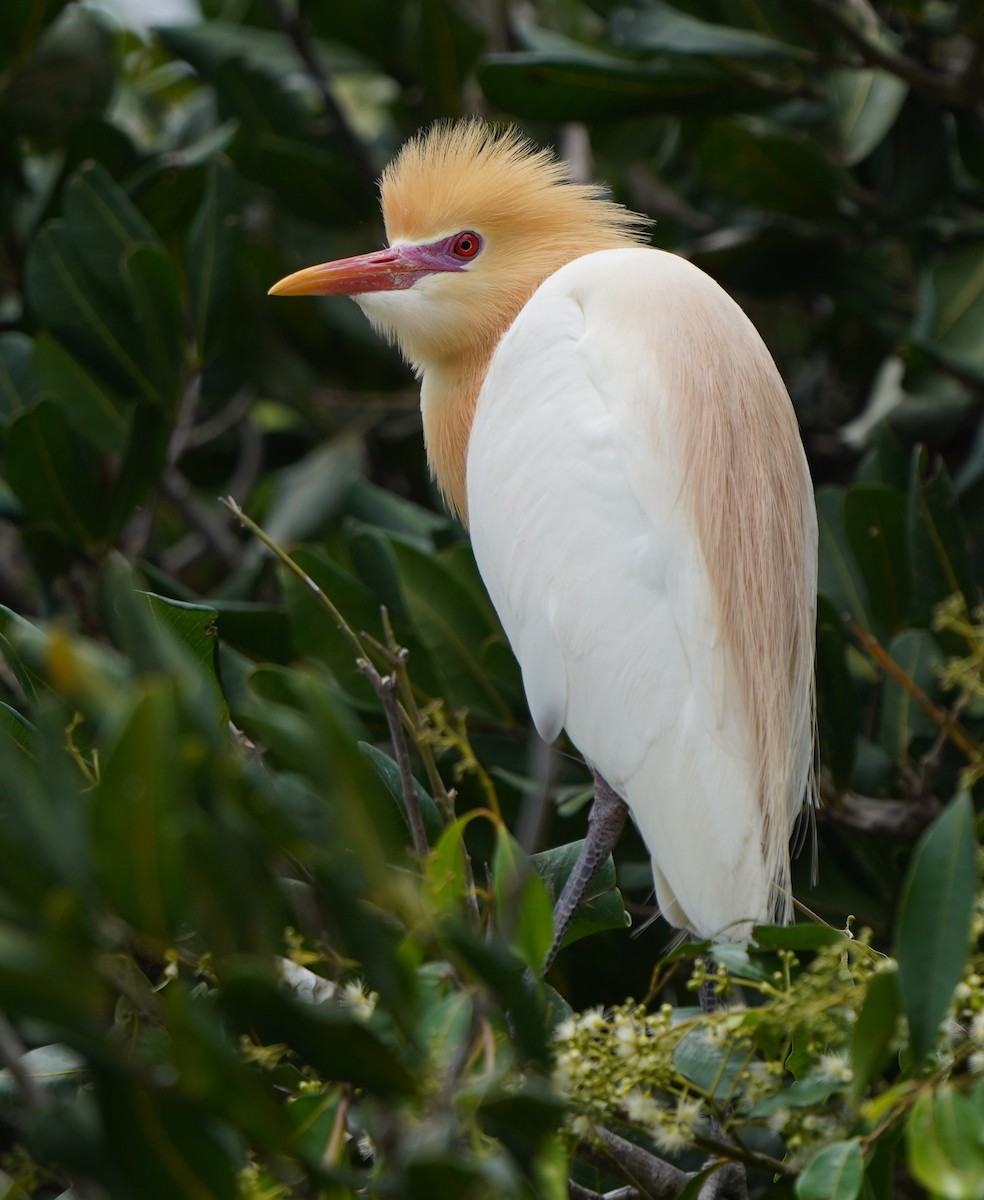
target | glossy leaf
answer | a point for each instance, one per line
(952, 318)
(664, 29)
(602, 906)
(866, 105)
(833, 1173)
(933, 922)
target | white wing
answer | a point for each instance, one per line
(592, 562)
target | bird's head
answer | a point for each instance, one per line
(476, 220)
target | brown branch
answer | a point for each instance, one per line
(652, 1177)
(942, 719)
(294, 26)
(960, 90)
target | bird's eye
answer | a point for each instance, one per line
(466, 245)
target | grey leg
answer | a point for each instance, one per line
(606, 820)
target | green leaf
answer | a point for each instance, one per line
(389, 772)
(54, 473)
(937, 540)
(840, 577)
(602, 907)
(51, 1068)
(213, 245)
(866, 105)
(524, 912)
(194, 627)
(874, 520)
(951, 321)
(140, 818)
(807, 936)
(105, 224)
(768, 169)
(156, 293)
(901, 718)
(944, 1136)
(189, 1153)
(837, 703)
(328, 1038)
(666, 30)
(874, 1032)
(68, 78)
(931, 935)
(18, 385)
(454, 624)
(94, 324)
(585, 85)
(88, 402)
(833, 1173)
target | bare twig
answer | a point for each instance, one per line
(385, 688)
(220, 540)
(294, 26)
(651, 1177)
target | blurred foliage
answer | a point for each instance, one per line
(224, 968)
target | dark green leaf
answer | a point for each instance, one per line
(931, 935)
(69, 77)
(797, 937)
(586, 85)
(840, 577)
(87, 401)
(54, 474)
(902, 718)
(213, 244)
(18, 385)
(389, 773)
(454, 624)
(874, 1031)
(874, 520)
(661, 28)
(602, 906)
(937, 540)
(951, 322)
(140, 814)
(837, 705)
(330, 1038)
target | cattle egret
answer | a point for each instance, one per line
(612, 429)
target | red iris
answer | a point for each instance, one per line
(466, 245)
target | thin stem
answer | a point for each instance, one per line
(385, 688)
(299, 573)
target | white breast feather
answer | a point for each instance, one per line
(591, 562)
